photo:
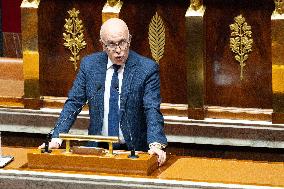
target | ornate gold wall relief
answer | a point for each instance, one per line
(112, 6)
(111, 9)
(241, 41)
(113, 3)
(196, 4)
(156, 36)
(74, 37)
(279, 7)
(196, 8)
(30, 3)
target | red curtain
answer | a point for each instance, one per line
(11, 16)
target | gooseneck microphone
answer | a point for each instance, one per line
(49, 135)
(46, 144)
(132, 151)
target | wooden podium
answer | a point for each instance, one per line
(116, 164)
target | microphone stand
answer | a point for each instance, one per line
(46, 144)
(133, 155)
(132, 152)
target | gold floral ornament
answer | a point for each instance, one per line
(113, 3)
(156, 36)
(196, 4)
(74, 37)
(240, 41)
(279, 7)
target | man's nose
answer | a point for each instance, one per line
(117, 48)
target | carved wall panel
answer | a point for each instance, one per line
(56, 72)
(57, 75)
(172, 65)
(223, 84)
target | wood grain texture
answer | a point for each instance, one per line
(172, 65)
(118, 164)
(12, 45)
(223, 84)
(57, 74)
(226, 171)
(201, 169)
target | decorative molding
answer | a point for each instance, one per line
(196, 4)
(113, 3)
(241, 41)
(74, 37)
(279, 7)
(196, 8)
(30, 3)
(156, 36)
(112, 6)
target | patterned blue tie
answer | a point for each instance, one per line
(113, 114)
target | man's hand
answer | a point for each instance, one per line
(52, 145)
(161, 154)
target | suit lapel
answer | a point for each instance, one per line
(128, 75)
(99, 75)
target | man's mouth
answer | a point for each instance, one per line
(119, 57)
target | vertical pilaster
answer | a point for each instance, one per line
(277, 31)
(111, 9)
(195, 53)
(29, 26)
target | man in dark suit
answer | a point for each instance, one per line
(136, 110)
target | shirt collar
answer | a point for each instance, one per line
(109, 64)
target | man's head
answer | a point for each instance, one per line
(115, 39)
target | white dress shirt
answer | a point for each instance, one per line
(109, 74)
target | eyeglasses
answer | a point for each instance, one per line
(123, 45)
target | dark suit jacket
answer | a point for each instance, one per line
(139, 101)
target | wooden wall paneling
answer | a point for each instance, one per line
(56, 71)
(223, 84)
(11, 80)
(57, 74)
(12, 45)
(10, 29)
(138, 16)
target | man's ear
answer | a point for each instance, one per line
(129, 38)
(103, 45)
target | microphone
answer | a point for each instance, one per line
(132, 151)
(49, 135)
(46, 142)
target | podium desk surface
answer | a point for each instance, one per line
(181, 171)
